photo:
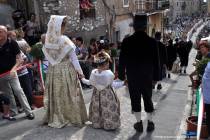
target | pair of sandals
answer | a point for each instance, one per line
(10, 118)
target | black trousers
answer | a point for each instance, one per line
(25, 83)
(4, 99)
(184, 61)
(207, 110)
(138, 91)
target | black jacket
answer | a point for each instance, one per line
(139, 59)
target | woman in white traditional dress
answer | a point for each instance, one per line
(105, 106)
(63, 100)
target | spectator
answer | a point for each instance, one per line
(31, 28)
(206, 95)
(10, 60)
(81, 50)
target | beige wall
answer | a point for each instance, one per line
(155, 20)
(192, 6)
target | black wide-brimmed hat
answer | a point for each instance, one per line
(140, 21)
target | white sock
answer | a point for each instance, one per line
(138, 116)
(149, 116)
(182, 68)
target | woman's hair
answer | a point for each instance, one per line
(101, 59)
(204, 43)
(64, 22)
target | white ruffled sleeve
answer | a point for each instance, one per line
(75, 62)
(118, 84)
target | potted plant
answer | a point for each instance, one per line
(38, 56)
(192, 126)
(38, 99)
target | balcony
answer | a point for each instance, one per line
(148, 6)
(145, 6)
(163, 4)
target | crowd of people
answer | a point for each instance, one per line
(71, 63)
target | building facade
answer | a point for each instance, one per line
(98, 18)
(208, 6)
(155, 9)
(184, 8)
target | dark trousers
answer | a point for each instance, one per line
(4, 99)
(25, 83)
(207, 110)
(138, 91)
(184, 61)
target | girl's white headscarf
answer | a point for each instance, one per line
(56, 45)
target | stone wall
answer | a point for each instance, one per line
(71, 8)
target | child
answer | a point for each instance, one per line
(5, 102)
(105, 106)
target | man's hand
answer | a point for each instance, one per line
(13, 73)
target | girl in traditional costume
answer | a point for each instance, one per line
(63, 100)
(104, 111)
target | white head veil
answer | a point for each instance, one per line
(56, 45)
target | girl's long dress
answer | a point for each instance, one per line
(63, 100)
(105, 109)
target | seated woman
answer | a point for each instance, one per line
(5, 102)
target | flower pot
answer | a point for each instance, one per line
(38, 100)
(192, 126)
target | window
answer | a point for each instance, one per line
(125, 3)
(87, 8)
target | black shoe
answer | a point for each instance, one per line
(159, 87)
(153, 86)
(12, 114)
(10, 118)
(185, 72)
(138, 126)
(30, 116)
(20, 110)
(150, 126)
(169, 76)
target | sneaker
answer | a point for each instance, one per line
(10, 118)
(30, 116)
(150, 126)
(159, 87)
(13, 114)
(138, 126)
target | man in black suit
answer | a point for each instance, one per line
(139, 62)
